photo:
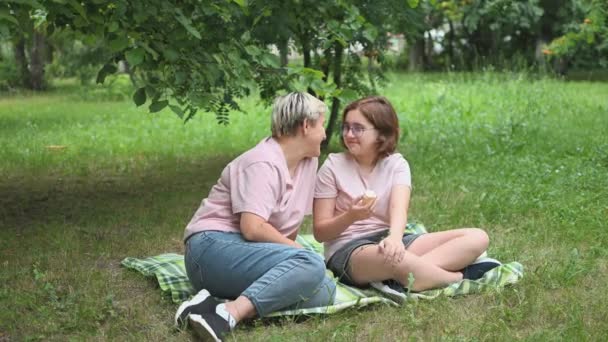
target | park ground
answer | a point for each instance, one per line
(89, 179)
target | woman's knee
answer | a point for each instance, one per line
(310, 267)
(481, 238)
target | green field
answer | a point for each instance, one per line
(525, 158)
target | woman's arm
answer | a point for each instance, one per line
(326, 226)
(392, 246)
(255, 228)
(400, 201)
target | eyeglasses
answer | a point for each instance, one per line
(357, 130)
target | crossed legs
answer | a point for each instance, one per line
(434, 259)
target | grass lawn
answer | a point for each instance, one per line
(524, 158)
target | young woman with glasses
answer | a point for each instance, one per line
(364, 240)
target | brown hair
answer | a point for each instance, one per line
(381, 114)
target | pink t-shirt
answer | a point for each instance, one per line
(258, 182)
(340, 178)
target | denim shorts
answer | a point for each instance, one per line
(339, 261)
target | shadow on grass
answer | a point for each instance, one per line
(105, 198)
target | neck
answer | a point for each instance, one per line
(366, 162)
(292, 150)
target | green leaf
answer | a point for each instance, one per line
(4, 30)
(106, 70)
(180, 77)
(151, 92)
(348, 95)
(97, 18)
(241, 3)
(31, 3)
(113, 26)
(318, 74)
(177, 110)
(135, 56)
(119, 44)
(78, 7)
(158, 106)
(4, 14)
(269, 60)
(170, 54)
(149, 49)
(252, 50)
(186, 23)
(200, 99)
(139, 97)
(191, 114)
(370, 33)
(413, 3)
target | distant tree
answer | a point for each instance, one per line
(24, 26)
(584, 42)
(487, 31)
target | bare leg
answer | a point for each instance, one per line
(241, 308)
(367, 265)
(451, 250)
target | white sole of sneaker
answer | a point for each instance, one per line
(486, 259)
(483, 255)
(202, 329)
(201, 296)
(395, 296)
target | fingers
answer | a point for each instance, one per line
(388, 251)
(363, 210)
(369, 207)
(371, 204)
(393, 253)
(400, 255)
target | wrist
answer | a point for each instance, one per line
(395, 235)
(350, 218)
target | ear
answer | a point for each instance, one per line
(306, 127)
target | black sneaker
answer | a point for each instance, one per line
(209, 326)
(477, 269)
(392, 289)
(203, 302)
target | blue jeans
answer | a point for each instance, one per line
(272, 276)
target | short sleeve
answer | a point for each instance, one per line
(402, 175)
(325, 186)
(255, 189)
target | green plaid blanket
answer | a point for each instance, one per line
(170, 273)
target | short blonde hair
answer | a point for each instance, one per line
(290, 111)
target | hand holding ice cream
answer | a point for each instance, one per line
(368, 196)
(363, 208)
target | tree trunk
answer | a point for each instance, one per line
(22, 65)
(38, 57)
(370, 70)
(416, 55)
(451, 44)
(326, 63)
(283, 46)
(305, 40)
(335, 106)
(306, 51)
(428, 52)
